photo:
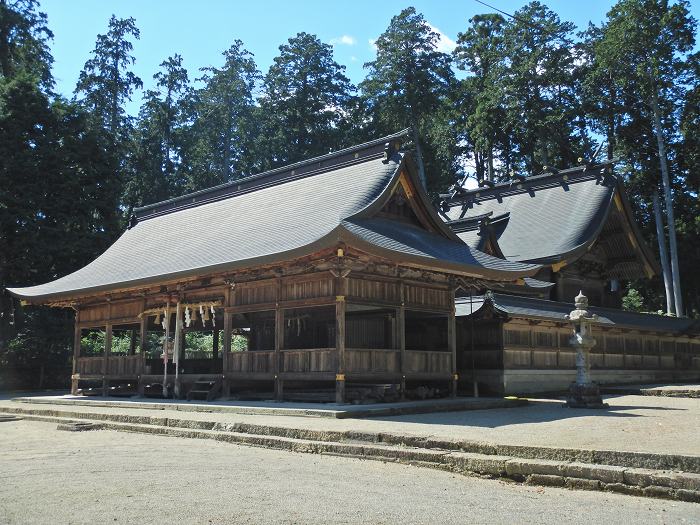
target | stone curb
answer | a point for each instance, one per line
(641, 460)
(439, 405)
(634, 481)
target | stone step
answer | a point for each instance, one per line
(638, 481)
(670, 462)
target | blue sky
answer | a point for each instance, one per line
(201, 30)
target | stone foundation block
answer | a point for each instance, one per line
(526, 467)
(604, 473)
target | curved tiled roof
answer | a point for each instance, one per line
(531, 308)
(277, 216)
(546, 223)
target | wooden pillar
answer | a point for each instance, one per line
(105, 361)
(224, 357)
(215, 344)
(132, 342)
(142, 343)
(76, 354)
(278, 363)
(340, 339)
(401, 327)
(452, 344)
(177, 351)
(108, 348)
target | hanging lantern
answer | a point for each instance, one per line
(188, 316)
(201, 313)
(165, 318)
(157, 320)
(213, 316)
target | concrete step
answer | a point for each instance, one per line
(573, 474)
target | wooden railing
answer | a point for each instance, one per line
(124, 365)
(310, 360)
(428, 362)
(251, 362)
(90, 365)
(361, 360)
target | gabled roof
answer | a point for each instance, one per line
(280, 215)
(553, 219)
(540, 309)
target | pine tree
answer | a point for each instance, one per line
(481, 51)
(220, 142)
(410, 85)
(645, 45)
(106, 83)
(24, 38)
(305, 103)
(159, 137)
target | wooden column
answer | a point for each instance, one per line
(341, 288)
(143, 327)
(226, 349)
(215, 344)
(279, 343)
(76, 354)
(105, 361)
(177, 350)
(224, 358)
(401, 328)
(452, 343)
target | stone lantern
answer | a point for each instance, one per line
(583, 393)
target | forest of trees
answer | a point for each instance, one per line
(533, 91)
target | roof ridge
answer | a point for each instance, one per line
(534, 182)
(273, 177)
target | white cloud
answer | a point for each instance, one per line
(344, 40)
(353, 58)
(372, 43)
(444, 44)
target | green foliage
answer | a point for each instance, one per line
(410, 85)
(105, 81)
(633, 301)
(157, 171)
(24, 42)
(220, 142)
(92, 344)
(305, 102)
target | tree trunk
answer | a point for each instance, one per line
(419, 153)
(675, 271)
(490, 161)
(663, 254)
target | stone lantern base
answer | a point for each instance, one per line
(585, 396)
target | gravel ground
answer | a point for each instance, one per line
(50, 476)
(660, 425)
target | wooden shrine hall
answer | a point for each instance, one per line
(322, 275)
(576, 223)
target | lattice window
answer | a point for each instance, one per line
(517, 337)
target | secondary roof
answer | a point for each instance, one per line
(553, 218)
